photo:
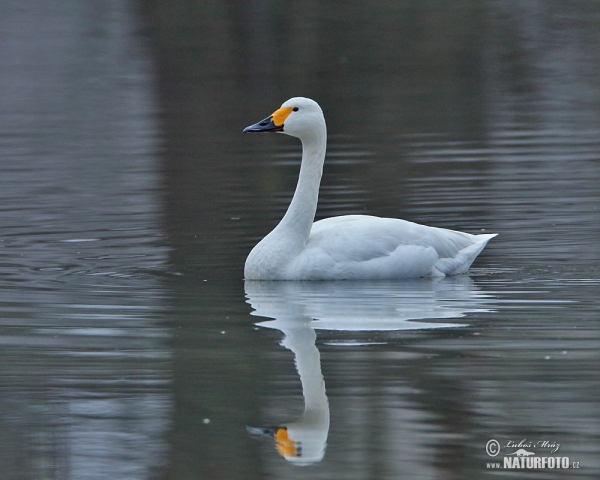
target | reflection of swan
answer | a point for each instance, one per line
(303, 441)
(368, 306)
(351, 246)
(299, 307)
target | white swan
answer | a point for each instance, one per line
(350, 247)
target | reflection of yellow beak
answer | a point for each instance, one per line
(285, 446)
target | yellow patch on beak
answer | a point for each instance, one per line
(280, 115)
(285, 446)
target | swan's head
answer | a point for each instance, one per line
(300, 445)
(298, 117)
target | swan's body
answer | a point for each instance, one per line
(350, 247)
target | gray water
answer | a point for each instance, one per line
(130, 346)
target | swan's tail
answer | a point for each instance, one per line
(461, 262)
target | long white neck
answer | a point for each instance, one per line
(269, 258)
(297, 222)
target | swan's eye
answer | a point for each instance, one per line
(295, 109)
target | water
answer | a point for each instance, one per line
(131, 346)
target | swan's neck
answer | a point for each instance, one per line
(300, 215)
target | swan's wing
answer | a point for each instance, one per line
(361, 238)
(377, 246)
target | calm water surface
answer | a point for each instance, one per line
(130, 346)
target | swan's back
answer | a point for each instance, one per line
(366, 247)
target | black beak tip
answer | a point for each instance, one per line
(262, 432)
(265, 125)
(251, 128)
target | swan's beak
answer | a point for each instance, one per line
(285, 446)
(266, 125)
(273, 123)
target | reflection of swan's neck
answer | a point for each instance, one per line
(298, 220)
(308, 362)
(307, 436)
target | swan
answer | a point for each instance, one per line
(349, 247)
